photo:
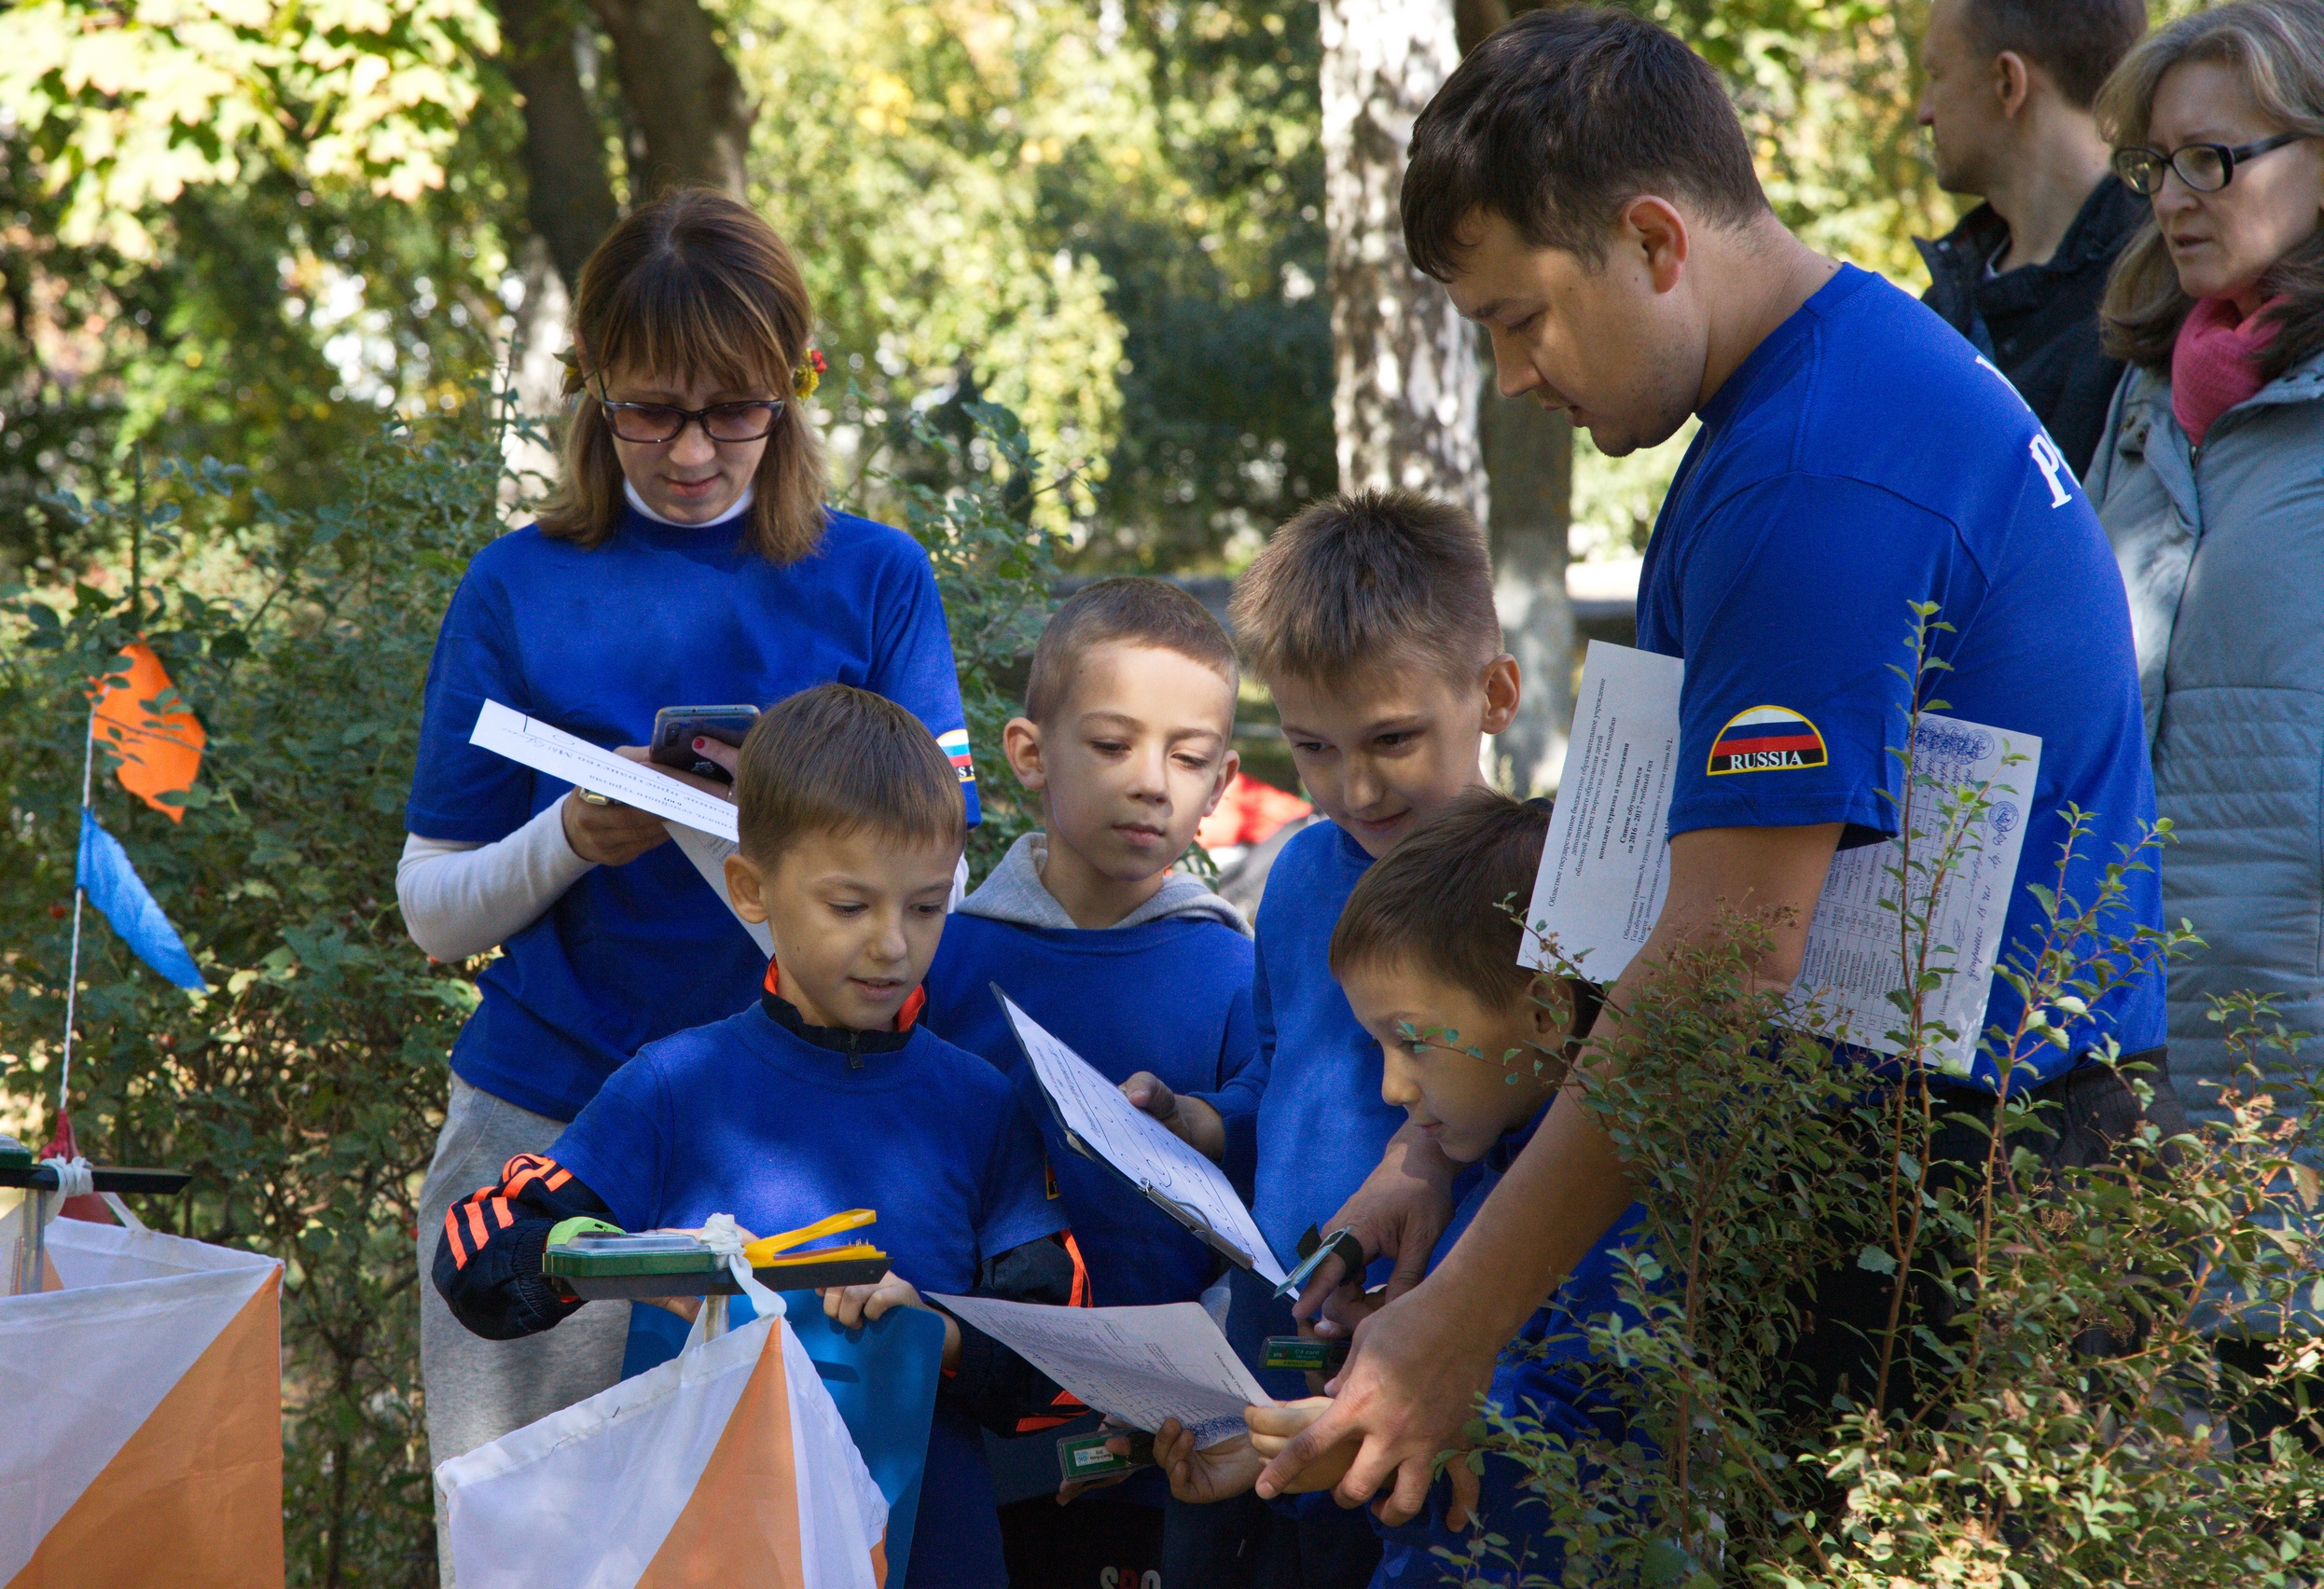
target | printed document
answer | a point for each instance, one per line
(1855, 953)
(703, 825)
(551, 750)
(1606, 865)
(1604, 868)
(1186, 1184)
(1139, 1364)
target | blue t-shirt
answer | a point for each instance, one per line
(1545, 1374)
(596, 641)
(1172, 997)
(1862, 458)
(1313, 1093)
(743, 1117)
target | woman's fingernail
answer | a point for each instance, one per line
(699, 743)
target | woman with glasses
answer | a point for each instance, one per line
(2210, 482)
(686, 559)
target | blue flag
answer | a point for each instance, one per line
(115, 889)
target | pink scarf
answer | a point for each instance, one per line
(2215, 362)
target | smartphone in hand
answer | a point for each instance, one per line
(677, 728)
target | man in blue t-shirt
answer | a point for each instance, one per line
(1582, 187)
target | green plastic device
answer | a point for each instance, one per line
(598, 1266)
(1084, 1456)
(1303, 1353)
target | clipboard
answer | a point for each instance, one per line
(1187, 1219)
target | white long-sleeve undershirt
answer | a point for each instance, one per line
(463, 899)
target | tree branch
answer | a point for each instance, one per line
(682, 93)
(570, 196)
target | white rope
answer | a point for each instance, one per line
(75, 1178)
(724, 1237)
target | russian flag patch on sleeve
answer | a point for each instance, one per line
(955, 745)
(1766, 739)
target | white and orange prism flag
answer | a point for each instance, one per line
(727, 1464)
(144, 1393)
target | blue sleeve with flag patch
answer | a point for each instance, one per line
(1792, 604)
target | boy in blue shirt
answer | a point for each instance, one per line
(1472, 1051)
(1371, 620)
(829, 1094)
(1127, 743)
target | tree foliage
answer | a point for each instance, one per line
(136, 104)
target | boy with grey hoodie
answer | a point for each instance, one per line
(1144, 971)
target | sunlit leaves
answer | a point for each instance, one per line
(133, 103)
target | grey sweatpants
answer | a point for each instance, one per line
(477, 1389)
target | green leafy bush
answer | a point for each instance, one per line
(306, 1090)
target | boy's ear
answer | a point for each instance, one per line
(1020, 742)
(1552, 1004)
(1229, 764)
(1501, 688)
(746, 886)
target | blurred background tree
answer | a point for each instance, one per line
(239, 228)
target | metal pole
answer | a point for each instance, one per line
(29, 1269)
(136, 535)
(81, 896)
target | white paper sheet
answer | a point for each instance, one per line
(1604, 868)
(1138, 1145)
(551, 750)
(1141, 1364)
(1855, 952)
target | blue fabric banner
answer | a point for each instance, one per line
(115, 889)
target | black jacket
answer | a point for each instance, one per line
(2038, 324)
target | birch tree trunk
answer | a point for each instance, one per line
(1405, 375)
(1529, 455)
(1529, 458)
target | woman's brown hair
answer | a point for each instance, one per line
(693, 283)
(2277, 46)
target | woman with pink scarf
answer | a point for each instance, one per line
(2210, 479)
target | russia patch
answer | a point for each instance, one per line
(955, 747)
(1766, 739)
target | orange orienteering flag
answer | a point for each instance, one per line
(161, 751)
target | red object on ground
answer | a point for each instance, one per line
(1248, 813)
(88, 1205)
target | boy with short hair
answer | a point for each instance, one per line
(1127, 741)
(1370, 617)
(826, 1095)
(1473, 1051)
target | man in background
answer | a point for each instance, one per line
(2007, 108)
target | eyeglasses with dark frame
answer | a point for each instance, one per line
(656, 422)
(2206, 168)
